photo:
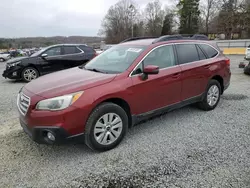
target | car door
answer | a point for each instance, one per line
(159, 90)
(192, 61)
(52, 62)
(72, 56)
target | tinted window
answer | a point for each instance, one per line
(201, 54)
(86, 49)
(70, 50)
(211, 52)
(53, 51)
(187, 53)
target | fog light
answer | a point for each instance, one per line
(51, 136)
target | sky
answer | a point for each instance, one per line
(32, 18)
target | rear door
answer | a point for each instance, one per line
(72, 56)
(158, 90)
(193, 64)
(89, 53)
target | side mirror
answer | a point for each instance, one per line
(44, 55)
(151, 69)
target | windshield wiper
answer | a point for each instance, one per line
(94, 70)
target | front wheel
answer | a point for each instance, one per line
(2, 59)
(106, 127)
(211, 97)
(29, 74)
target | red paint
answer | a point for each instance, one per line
(169, 86)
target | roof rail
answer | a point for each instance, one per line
(138, 38)
(181, 37)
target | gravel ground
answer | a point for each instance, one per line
(184, 148)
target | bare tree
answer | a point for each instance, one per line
(154, 15)
(209, 10)
(117, 23)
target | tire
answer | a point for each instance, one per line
(95, 125)
(2, 59)
(34, 74)
(214, 87)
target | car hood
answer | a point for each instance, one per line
(16, 59)
(66, 82)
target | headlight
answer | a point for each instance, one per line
(14, 64)
(58, 103)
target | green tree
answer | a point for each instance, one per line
(189, 16)
(167, 25)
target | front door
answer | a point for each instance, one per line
(159, 90)
(53, 61)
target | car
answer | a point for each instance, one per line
(48, 60)
(4, 56)
(126, 84)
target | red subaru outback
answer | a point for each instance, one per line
(124, 85)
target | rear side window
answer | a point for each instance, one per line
(86, 49)
(187, 53)
(211, 52)
(70, 50)
(201, 54)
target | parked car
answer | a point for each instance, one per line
(124, 85)
(48, 60)
(4, 56)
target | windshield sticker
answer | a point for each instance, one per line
(137, 50)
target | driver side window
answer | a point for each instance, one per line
(162, 57)
(53, 51)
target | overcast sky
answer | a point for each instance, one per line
(30, 18)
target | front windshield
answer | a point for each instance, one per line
(116, 59)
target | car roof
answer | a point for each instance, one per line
(150, 42)
(68, 45)
(141, 42)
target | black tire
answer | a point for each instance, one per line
(204, 104)
(98, 112)
(24, 78)
(2, 59)
(247, 69)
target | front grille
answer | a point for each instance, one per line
(23, 103)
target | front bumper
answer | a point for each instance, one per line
(39, 134)
(12, 73)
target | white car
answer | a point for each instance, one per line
(4, 56)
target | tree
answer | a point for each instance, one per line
(117, 24)
(209, 10)
(231, 18)
(154, 18)
(189, 16)
(167, 25)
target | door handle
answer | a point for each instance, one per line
(176, 75)
(207, 66)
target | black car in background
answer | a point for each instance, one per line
(48, 60)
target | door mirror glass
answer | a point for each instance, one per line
(44, 55)
(151, 69)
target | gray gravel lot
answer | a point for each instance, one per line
(184, 148)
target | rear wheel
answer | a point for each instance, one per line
(211, 97)
(29, 74)
(106, 127)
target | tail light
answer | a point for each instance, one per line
(228, 62)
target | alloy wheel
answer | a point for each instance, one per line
(213, 95)
(30, 74)
(108, 128)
